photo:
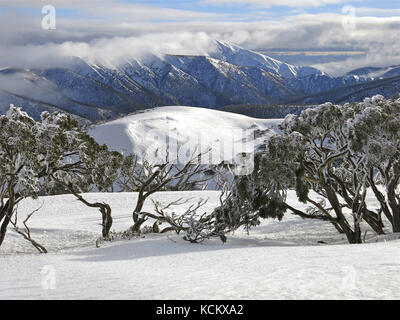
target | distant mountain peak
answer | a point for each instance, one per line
(237, 55)
(228, 75)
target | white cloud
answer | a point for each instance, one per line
(116, 10)
(104, 50)
(287, 3)
(382, 56)
(24, 43)
(374, 12)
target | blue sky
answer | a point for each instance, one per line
(257, 10)
(231, 10)
(243, 8)
(227, 10)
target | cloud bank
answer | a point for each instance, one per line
(111, 31)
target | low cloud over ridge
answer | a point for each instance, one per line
(111, 30)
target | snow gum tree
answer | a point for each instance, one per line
(20, 164)
(80, 164)
(374, 135)
(29, 152)
(96, 170)
(325, 165)
(36, 155)
(286, 165)
(337, 151)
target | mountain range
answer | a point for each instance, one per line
(228, 75)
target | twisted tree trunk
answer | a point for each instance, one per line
(7, 212)
(5, 222)
(104, 209)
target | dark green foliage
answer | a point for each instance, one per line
(302, 187)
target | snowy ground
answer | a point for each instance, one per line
(278, 260)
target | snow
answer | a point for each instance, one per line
(228, 75)
(184, 127)
(291, 259)
(278, 260)
(243, 57)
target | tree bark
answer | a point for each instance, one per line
(3, 210)
(380, 197)
(373, 221)
(352, 236)
(6, 221)
(7, 212)
(395, 206)
(104, 209)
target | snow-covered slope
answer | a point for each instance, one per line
(146, 132)
(278, 260)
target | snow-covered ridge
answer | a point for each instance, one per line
(376, 72)
(228, 75)
(144, 133)
(239, 56)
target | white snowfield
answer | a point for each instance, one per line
(278, 260)
(184, 129)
